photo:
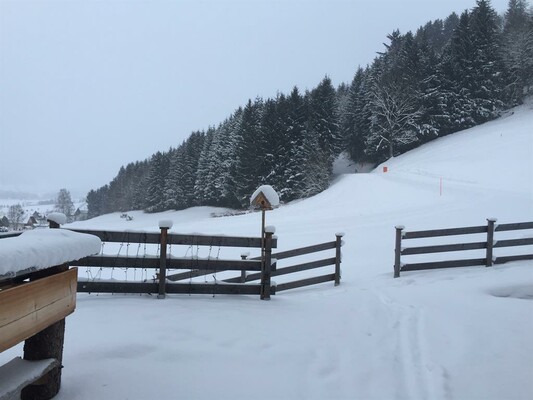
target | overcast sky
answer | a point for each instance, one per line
(89, 86)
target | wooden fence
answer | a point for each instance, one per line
(253, 269)
(489, 244)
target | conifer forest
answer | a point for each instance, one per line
(449, 75)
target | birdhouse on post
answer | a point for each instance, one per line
(261, 201)
(265, 198)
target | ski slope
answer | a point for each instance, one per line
(462, 333)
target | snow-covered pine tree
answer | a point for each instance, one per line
(159, 168)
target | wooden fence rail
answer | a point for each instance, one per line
(489, 245)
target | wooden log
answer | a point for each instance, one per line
(19, 373)
(443, 264)
(304, 282)
(445, 232)
(514, 226)
(443, 248)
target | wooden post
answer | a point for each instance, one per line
(46, 344)
(244, 256)
(490, 240)
(338, 244)
(266, 267)
(398, 251)
(163, 263)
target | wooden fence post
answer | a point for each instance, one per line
(163, 262)
(244, 256)
(398, 250)
(490, 240)
(338, 244)
(267, 264)
(46, 344)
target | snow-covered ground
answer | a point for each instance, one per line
(462, 333)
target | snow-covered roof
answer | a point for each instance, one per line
(270, 194)
(44, 248)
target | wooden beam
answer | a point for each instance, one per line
(301, 251)
(31, 307)
(444, 248)
(513, 227)
(505, 259)
(177, 239)
(443, 264)
(444, 232)
(513, 242)
(305, 282)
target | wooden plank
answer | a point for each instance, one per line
(444, 232)
(513, 242)
(31, 307)
(443, 264)
(444, 248)
(191, 274)
(514, 226)
(107, 261)
(176, 263)
(183, 288)
(19, 373)
(304, 266)
(215, 241)
(214, 264)
(301, 251)
(121, 237)
(177, 239)
(117, 287)
(305, 282)
(505, 259)
(211, 288)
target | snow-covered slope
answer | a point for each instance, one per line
(461, 333)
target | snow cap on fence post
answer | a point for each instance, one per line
(165, 224)
(57, 217)
(270, 229)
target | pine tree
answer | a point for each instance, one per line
(155, 192)
(517, 51)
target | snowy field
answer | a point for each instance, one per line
(461, 333)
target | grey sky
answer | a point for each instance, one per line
(88, 86)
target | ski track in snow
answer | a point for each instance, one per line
(418, 377)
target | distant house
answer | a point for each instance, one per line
(32, 223)
(80, 215)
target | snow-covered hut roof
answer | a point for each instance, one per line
(268, 192)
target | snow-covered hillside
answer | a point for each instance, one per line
(462, 333)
